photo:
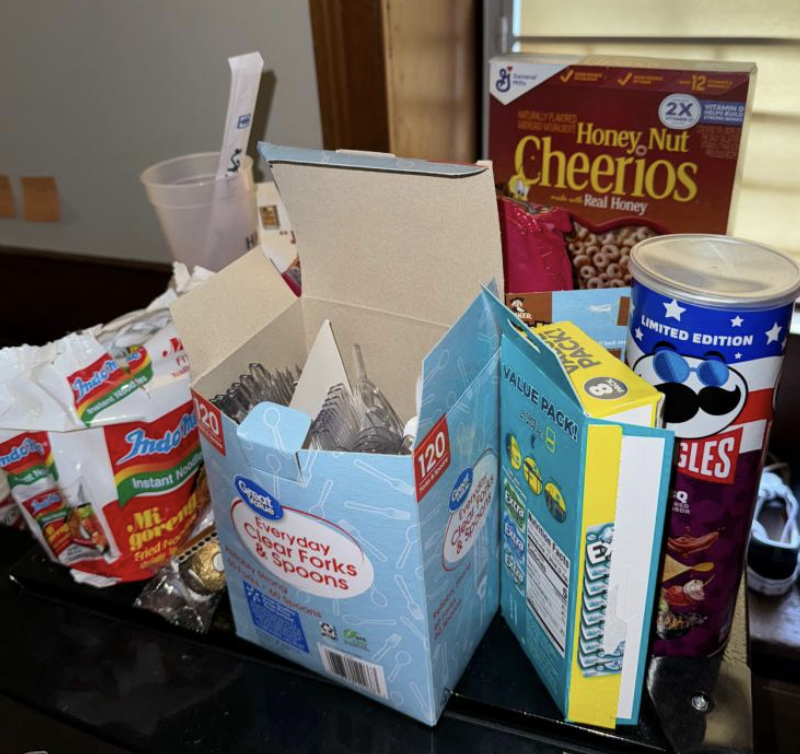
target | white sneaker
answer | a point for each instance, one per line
(772, 558)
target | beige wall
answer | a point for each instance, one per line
(94, 91)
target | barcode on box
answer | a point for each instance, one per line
(365, 675)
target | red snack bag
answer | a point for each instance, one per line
(534, 250)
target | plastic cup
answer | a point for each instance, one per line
(182, 191)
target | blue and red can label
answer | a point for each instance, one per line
(718, 370)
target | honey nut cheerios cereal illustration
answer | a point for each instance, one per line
(601, 260)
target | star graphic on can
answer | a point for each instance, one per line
(639, 334)
(674, 310)
(736, 321)
(772, 334)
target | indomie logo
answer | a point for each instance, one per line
(37, 506)
(23, 450)
(142, 445)
(82, 387)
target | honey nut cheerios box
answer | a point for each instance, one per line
(584, 474)
(631, 147)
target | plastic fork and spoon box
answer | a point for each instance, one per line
(378, 571)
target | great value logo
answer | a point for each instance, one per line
(470, 515)
(258, 498)
(461, 489)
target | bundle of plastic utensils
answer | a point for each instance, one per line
(256, 387)
(361, 421)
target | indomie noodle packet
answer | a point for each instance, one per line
(99, 444)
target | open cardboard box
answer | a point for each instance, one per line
(379, 571)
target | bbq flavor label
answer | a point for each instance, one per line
(718, 370)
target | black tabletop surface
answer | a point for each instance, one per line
(125, 678)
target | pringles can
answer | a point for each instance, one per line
(708, 327)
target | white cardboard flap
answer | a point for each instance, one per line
(228, 309)
(323, 369)
(408, 237)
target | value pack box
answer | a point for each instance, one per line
(585, 474)
(378, 571)
(631, 147)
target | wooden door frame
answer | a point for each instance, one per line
(351, 73)
(400, 76)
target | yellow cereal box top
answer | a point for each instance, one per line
(604, 385)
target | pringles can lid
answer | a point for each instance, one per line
(716, 271)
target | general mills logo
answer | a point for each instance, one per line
(257, 498)
(503, 83)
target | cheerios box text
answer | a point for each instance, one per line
(630, 147)
(610, 138)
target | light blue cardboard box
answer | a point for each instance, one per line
(381, 572)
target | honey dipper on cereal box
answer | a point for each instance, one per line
(631, 147)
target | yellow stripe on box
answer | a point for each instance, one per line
(595, 700)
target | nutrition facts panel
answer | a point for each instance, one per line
(547, 586)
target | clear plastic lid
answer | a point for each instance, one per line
(716, 271)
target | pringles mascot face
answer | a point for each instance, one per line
(702, 396)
